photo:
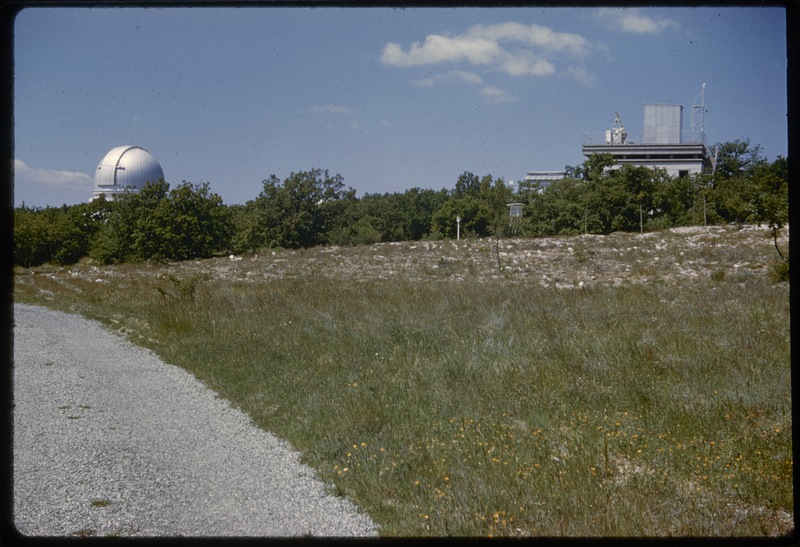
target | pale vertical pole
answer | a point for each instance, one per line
(705, 215)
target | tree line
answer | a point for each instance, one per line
(311, 208)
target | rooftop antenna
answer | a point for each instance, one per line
(698, 111)
(617, 134)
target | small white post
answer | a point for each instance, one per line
(458, 228)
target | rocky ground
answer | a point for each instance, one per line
(674, 256)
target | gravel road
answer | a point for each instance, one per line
(109, 440)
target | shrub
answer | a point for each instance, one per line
(58, 235)
(32, 244)
(779, 271)
(365, 232)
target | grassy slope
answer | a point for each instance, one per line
(446, 396)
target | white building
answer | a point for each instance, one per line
(663, 143)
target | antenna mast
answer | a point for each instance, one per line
(698, 112)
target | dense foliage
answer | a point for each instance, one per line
(158, 223)
(61, 235)
(311, 208)
(599, 197)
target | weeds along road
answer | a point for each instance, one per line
(108, 440)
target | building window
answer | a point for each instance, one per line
(683, 173)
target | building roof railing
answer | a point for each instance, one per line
(642, 138)
(545, 175)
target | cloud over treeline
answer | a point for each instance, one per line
(50, 186)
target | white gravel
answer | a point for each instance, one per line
(109, 440)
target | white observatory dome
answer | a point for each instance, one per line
(125, 169)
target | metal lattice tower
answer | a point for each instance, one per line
(698, 111)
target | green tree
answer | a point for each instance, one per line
(594, 169)
(733, 198)
(605, 197)
(638, 186)
(69, 241)
(467, 183)
(248, 236)
(694, 196)
(733, 187)
(420, 205)
(199, 225)
(59, 235)
(90, 217)
(482, 204)
(404, 216)
(154, 223)
(33, 244)
(141, 223)
(474, 214)
(364, 231)
(673, 201)
(560, 208)
(771, 202)
(618, 199)
(735, 158)
(303, 209)
(771, 193)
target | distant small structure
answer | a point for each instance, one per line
(544, 178)
(514, 217)
(125, 169)
(515, 210)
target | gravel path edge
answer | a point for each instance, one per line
(110, 441)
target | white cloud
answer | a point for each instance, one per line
(469, 77)
(526, 64)
(631, 20)
(439, 49)
(580, 74)
(496, 95)
(492, 93)
(332, 109)
(533, 35)
(513, 48)
(450, 76)
(71, 180)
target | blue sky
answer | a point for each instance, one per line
(388, 98)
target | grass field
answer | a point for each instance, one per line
(623, 385)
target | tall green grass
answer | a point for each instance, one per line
(495, 408)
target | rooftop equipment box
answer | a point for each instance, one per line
(662, 123)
